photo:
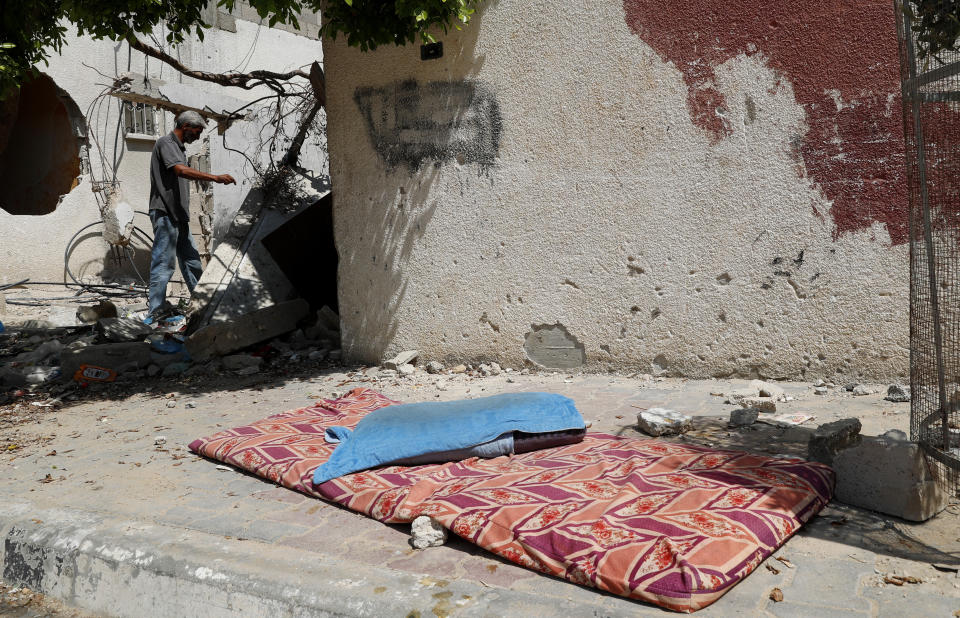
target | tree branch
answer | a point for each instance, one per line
(247, 81)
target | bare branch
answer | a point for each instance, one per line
(246, 81)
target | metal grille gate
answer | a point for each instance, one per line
(931, 121)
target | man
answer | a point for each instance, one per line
(170, 209)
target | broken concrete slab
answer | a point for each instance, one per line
(663, 422)
(898, 393)
(888, 475)
(744, 416)
(107, 355)
(831, 438)
(403, 358)
(119, 330)
(223, 338)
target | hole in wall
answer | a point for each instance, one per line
(42, 135)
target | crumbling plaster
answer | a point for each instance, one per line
(608, 208)
(251, 46)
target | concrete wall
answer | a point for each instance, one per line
(697, 189)
(33, 246)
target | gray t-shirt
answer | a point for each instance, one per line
(169, 193)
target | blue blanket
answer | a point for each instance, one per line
(411, 430)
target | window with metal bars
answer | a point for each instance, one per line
(142, 119)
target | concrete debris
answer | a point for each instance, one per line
(819, 383)
(403, 358)
(47, 350)
(491, 369)
(11, 378)
(160, 440)
(406, 370)
(764, 404)
(744, 416)
(459, 369)
(830, 438)
(888, 475)
(327, 325)
(862, 389)
(248, 371)
(495, 369)
(175, 369)
(819, 390)
(427, 532)
(434, 367)
(441, 385)
(898, 393)
(317, 355)
(119, 330)
(663, 422)
(171, 404)
(849, 387)
(94, 313)
(235, 362)
(766, 389)
(225, 337)
(109, 355)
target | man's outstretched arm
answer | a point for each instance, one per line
(191, 174)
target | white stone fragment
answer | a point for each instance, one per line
(663, 422)
(427, 532)
(402, 358)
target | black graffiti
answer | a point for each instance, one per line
(411, 124)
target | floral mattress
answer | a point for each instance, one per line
(672, 524)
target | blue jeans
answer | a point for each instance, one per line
(171, 240)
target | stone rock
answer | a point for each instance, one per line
(744, 416)
(427, 532)
(123, 329)
(406, 370)
(495, 369)
(190, 404)
(831, 438)
(819, 382)
(434, 367)
(764, 404)
(862, 389)
(898, 393)
(175, 369)
(849, 387)
(819, 390)
(317, 355)
(510, 380)
(248, 371)
(402, 358)
(163, 360)
(160, 440)
(737, 396)
(441, 385)
(10, 377)
(663, 422)
(107, 355)
(62, 317)
(895, 434)
(171, 404)
(235, 362)
(93, 313)
(766, 389)
(459, 369)
(485, 370)
(890, 476)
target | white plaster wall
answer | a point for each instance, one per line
(607, 211)
(33, 246)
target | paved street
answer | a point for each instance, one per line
(91, 476)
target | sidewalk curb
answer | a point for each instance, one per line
(130, 568)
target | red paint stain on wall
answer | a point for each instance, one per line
(855, 154)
